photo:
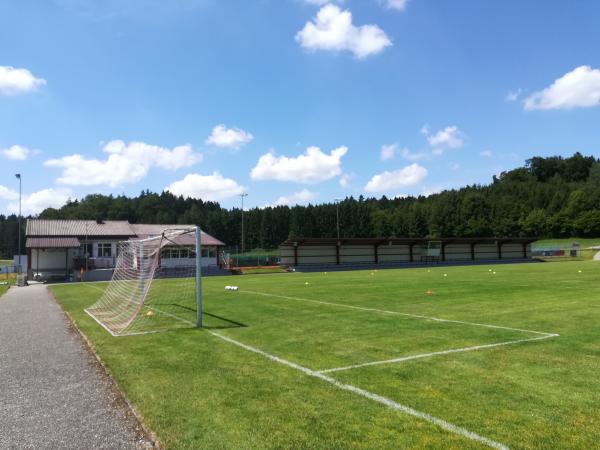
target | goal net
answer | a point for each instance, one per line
(154, 285)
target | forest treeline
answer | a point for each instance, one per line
(549, 197)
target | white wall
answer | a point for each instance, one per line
(365, 254)
(357, 254)
(397, 253)
(52, 259)
(458, 252)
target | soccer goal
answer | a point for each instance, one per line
(156, 285)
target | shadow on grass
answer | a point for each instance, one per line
(221, 323)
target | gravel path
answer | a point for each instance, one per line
(53, 393)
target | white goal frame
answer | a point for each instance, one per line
(142, 269)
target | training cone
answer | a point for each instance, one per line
(150, 313)
(429, 292)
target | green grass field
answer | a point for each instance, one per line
(260, 374)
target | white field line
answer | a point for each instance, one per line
(427, 355)
(416, 316)
(100, 323)
(447, 426)
(139, 332)
(371, 396)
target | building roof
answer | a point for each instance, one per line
(122, 229)
(91, 228)
(143, 231)
(53, 242)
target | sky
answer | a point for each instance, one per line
(289, 101)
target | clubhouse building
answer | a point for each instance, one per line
(63, 248)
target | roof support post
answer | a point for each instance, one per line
(499, 250)
(472, 251)
(67, 262)
(376, 249)
(524, 250)
(411, 256)
(295, 254)
(443, 251)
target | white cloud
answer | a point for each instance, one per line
(389, 181)
(449, 137)
(388, 151)
(345, 180)
(432, 190)
(579, 88)
(15, 81)
(413, 156)
(297, 198)
(16, 152)
(126, 164)
(224, 137)
(212, 187)
(8, 194)
(486, 153)
(332, 29)
(513, 96)
(310, 167)
(398, 5)
(35, 202)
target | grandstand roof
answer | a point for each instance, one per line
(406, 241)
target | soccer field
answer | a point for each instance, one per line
(504, 356)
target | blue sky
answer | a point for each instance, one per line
(290, 101)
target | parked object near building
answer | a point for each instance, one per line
(88, 249)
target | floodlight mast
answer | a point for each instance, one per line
(242, 196)
(337, 214)
(198, 277)
(18, 175)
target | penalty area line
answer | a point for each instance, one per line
(447, 426)
(398, 313)
(440, 353)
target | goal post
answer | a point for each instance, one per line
(198, 236)
(156, 285)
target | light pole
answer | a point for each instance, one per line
(337, 214)
(18, 175)
(242, 196)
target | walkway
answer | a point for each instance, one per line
(53, 393)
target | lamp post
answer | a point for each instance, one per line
(18, 175)
(242, 196)
(337, 214)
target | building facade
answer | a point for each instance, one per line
(57, 248)
(401, 251)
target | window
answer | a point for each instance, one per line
(212, 252)
(205, 253)
(104, 250)
(86, 251)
